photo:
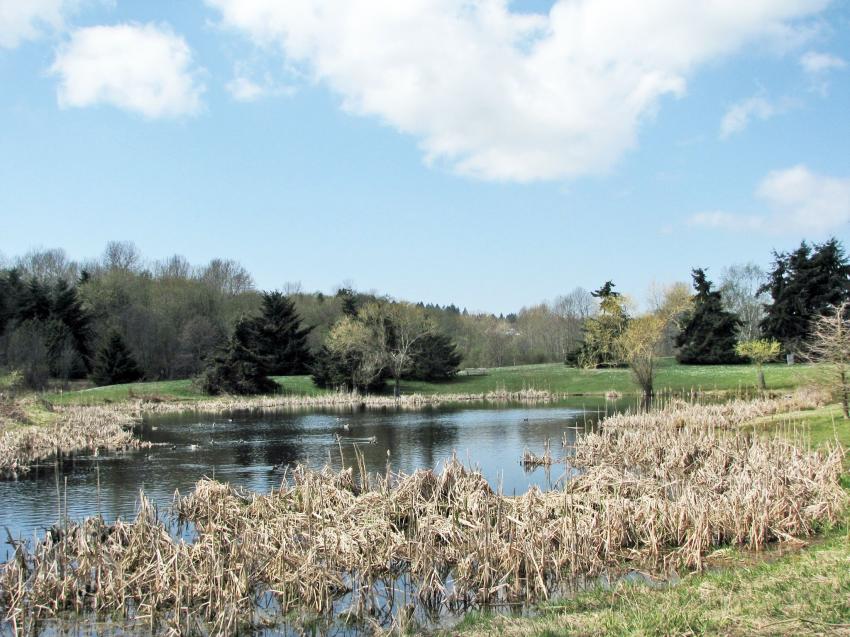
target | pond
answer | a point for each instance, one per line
(251, 450)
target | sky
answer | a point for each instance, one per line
(486, 153)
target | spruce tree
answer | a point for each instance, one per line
(435, 357)
(280, 338)
(804, 284)
(709, 337)
(238, 368)
(114, 364)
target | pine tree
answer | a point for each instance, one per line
(114, 364)
(280, 338)
(239, 368)
(804, 284)
(710, 335)
(435, 357)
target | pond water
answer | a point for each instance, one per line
(245, 448)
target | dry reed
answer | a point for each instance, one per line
(659, 490)
(74, 429)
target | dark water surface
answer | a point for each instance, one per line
(244, 448)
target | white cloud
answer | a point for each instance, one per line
(243, 88)
(146, 68)
(739, 115)
(797, 200)
(502, 95)
(22, 20)
(816, 63)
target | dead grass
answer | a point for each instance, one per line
(659, 491)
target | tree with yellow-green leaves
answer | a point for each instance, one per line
(601, 333)
(639, 343)
(759, 351)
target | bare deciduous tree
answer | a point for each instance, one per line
(739, 290)
(829, 345)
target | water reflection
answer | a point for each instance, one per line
(245, 448)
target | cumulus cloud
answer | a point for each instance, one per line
(22, 20)
(497, 94)
(797, 200)
(144, 68)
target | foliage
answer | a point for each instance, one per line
(435, 358)
(804, 284)
(114, 363)
(759, 351)
(239, 367)
(602, 332)
(640, 341)
(710, 334)
(280, 338)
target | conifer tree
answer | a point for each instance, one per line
(280, 338)
(238, 368)
(710, 335)
(435, 357)
(804, 284)
(114, 364)
(67, 309)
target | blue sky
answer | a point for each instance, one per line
(484, 153)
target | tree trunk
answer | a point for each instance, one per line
(646, 403)
(845, 399)
(762, 384)
(396, 391)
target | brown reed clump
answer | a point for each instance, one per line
(530, 460)
(344, 400)
(73, 429)
(659, 489)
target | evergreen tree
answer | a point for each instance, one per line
(280, 338)
(435, 357)
(67, 309)
(349, 301)
(710, 335)
(114, 364)
(238, 368)
(804, 284)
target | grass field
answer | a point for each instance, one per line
(553, 377)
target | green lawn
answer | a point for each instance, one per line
(671, 375)
(553, 377)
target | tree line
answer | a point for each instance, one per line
(120, 318)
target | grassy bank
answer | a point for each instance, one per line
(801, 592)
(554, 378)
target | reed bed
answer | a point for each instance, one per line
(657, 491)
(343, 400)
(71, 429)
